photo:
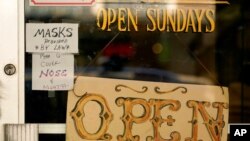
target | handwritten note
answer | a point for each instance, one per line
(52, 71)
(52, 37)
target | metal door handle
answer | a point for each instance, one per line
(9, 69)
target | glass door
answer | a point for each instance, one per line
(207, 55)
(123, 51)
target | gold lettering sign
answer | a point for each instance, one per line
(125, 110)
(159, 19)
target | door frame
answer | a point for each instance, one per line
(12, 52)
(21, 58)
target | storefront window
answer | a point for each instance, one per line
(190, 57)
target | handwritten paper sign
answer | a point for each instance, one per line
(52, 37)
(52, 71)
(122, 110)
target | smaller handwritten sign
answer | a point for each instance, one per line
(52, 37)
(52, 71)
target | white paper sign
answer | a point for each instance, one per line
(52, 37)
(52, 71)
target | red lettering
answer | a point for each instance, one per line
(53, 73)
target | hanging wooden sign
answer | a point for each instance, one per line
(109, 109)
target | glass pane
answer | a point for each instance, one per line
(217, 58)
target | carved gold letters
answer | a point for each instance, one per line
(157, 120)
(105, 115)
(214, 126)
(128, 117)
